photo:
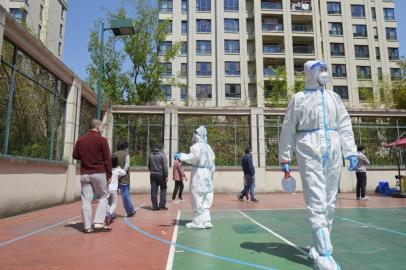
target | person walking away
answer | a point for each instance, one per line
(178, 177)
(158, 167)
(317, 126)
(361, 173)
(202, 158)
(249, 176)
(95, 169)
(113, 187)
(124, 182)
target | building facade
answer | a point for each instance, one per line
(45, 19)
(231, 48)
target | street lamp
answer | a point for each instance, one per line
(120, 27)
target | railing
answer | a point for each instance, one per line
(336, 33)
(233, 51)
(360, 34)
(364, 76)
(270, 72)
(302, 28)
(361, 55)
(394, 57)
(339, 74)
(392, 37)
(389, 18)
(337, 53)
(301, 7)
(303, 50)
(270, 49)
(272, 27)
(271, 5)
(333, 12)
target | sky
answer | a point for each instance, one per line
(82, 14)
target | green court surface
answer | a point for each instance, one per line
(262, 239)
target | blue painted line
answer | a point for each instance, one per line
(5, 243)
(193, 250)
(372, 226)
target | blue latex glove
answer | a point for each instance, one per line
(177, 156)
(353, 162)
(285, 167)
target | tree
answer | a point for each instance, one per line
(399, 88)
(276, 89)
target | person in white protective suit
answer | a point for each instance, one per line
(202, 158)
(318, 127)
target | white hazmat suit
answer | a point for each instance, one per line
(318, 127)
(202, 158)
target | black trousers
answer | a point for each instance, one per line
(178, 186)
(156, 181)
(361, 184)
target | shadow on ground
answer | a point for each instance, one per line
(279, 249)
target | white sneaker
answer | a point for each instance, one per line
(326, 263)
(208, 225)
(192, 225)
(364, 198)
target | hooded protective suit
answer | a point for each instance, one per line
(319, 128)
(201, 181)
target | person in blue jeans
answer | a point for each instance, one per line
(249, 176)
(124, 182)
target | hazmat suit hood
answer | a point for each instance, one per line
(312, 71)
(200, 135)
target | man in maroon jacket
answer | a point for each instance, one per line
(94, 154)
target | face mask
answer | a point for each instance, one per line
(323, 78)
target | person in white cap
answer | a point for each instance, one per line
(202, 158)
(318, 127)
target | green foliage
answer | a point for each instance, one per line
(399, 88)
(276, 89)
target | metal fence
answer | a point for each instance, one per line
(87, 112)
(142, 132)
(32, 107)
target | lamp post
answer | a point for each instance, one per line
(120, 27)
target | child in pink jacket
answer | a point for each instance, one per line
(178, 176)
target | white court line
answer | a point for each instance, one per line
(292, 208)
(275, 234)
(169, 263)
(2, 244)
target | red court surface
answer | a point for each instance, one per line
(52, 238)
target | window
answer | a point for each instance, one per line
(231, 46)
(389, 14)
(393, 53)
(39, 31)
(395, 74)
(184, 5)
(203, 90)
(183, 48)
(363, 72)
(365, 94)
(342, 91)
(183, 93)
(233, 91)
(376, 33)
(333, 8)
(361, 51)
(18, 14)
(378, 53)
(231, 5)
(357, 11)
(335, 29)
(380, 76)
(166, 91)
(337, 49)
(165, 5)
(165, 46)
(184, 27)
(61, 30)
(203, 5)
(203, 26)
(167, 69)
(203, 69)
(168, 24)
(391, 33)
(232, 68)
(231, 25)
(183, 70)
(269, 48)
(60, 48)
(339, 70)
(203, 47)
(359, 30)
(270, 4)
(373, 11)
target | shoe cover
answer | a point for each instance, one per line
(326, 263)
(208, 225)
(313, 254)
(192, 225)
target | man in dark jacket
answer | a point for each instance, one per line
(158, 167)
(249, 176)
(95, 168)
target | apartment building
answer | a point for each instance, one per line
(231, 48)
(44, 18)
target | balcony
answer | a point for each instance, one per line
(392, 37)
(301, 6)
(270, 72)
(273, 49)
(301, 49)
(360, 34)
(339, 74)
(335, 32)
(271, 5)
(298, 71)
(272, 27)
(394, 57)
(363, 76)
(360, 55)
(337, 53)
(389, 18)
(302, 28)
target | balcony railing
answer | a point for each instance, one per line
(339, 74)
(360, 34)
(301, 7)
(394, 57)
(361, 55)
(302, 28)
(337, 53)
(272, 27)
(364, 76)
(270, 72)
(271, 5)
(270, 49)
(391, 37)
(336, 32)
(303, 50)
(389, 18)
